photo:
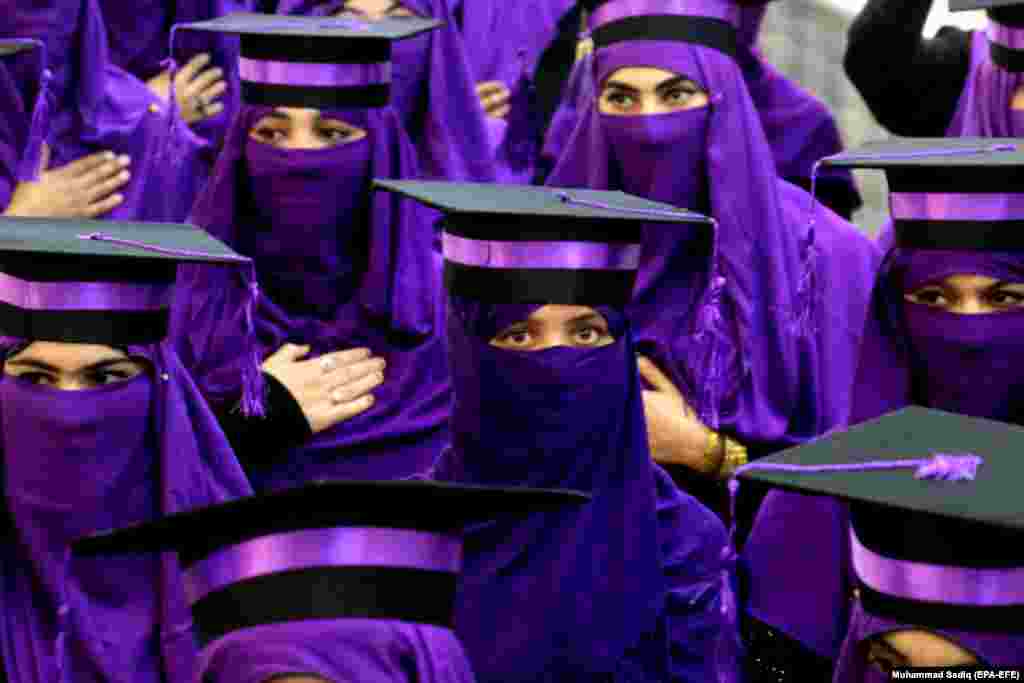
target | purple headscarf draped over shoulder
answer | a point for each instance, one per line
(767, 385)
(114, 455)
(433, 91)
(374, 283)
(640, 596)
(340, 651)
(96, 106)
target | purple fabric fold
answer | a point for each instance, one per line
(339, 268)
(114, 456)
(1007, 36)
(641, 596)
(339, 651)
(984, 106)
(96, 106)
(433, 86)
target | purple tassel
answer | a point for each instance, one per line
(803, 322)
(252, 373)
(950, 467)
(39, 128)
(168, 149)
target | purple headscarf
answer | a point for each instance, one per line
(763, 383)
(640, 595)
(434, 92)
(113, 456)
(96, 106)
(340, 267)
(992, 649)
(339, 651)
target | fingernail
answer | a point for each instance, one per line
(118, 197)
(382, 363)
(125, 175)
(124, 159)
(108, 155)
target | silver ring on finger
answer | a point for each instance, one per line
(327, 364)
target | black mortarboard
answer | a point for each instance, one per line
(315, 62)
(949, 193)
(528, 244)
(328, 550)
(928, 549)
(98, 282)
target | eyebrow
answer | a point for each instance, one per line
(587, 318)
(671, 83)
(99, 365)
(619, 85)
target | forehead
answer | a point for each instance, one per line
(641, 77)
(558, 313)
(63, 355)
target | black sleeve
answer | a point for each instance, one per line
(910, 84)
(262, 441)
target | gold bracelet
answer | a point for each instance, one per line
(733, 458)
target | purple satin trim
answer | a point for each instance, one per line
(338, 547)
(571, 255)
(620, 9)
(1007, 36)
(83, 296)
(319, 75)
(956, 206)
(937, 583)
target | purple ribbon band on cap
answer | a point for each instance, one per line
(621, 9)
(315, 75)
(1007, 36)
(569, 255)
(962, 586)
(83, 296)
(956, 206)
(309, 548)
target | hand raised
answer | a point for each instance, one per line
(84, 188)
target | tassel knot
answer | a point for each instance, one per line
(38, 130)
(950, 467)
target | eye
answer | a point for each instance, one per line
(336, 134)
(268, 135)
(590, 336)
(1007, 298)
(513, 339)
(620, 99)
(110, 376)
(40, 378)
(680, 94)
(929, 296)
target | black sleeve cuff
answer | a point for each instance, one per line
(262, 441)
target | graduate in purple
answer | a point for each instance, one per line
(935, 534)
(433, 87)
(84, 121)
(799, 128)
(101, 427)
(751, 334)
(357, 586)
(942, 333)
(348, 318)
(633, 586)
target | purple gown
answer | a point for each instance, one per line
(131, 452)
(434, 92)
(339, 267)
(642, 596)
(96, 106)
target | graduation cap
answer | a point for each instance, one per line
(936, 511)
(95, 282)
(710, 23)
(328, 550)
(314, 62)
(949, 193)
(527, 244)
